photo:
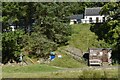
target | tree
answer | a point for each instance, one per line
(51, 19)
(17, 14)
(110, 30)
(49, 29)
(113, 22)
(11, 45)
(45, 24)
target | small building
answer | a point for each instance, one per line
(97, 56)
(75, 19)
(92, 15)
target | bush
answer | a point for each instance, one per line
(11, 45)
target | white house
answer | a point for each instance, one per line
(13, 28)
(92, 15)
(75, 19)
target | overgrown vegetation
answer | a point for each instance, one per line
(110, 30)
(45, 27)
(11, 45)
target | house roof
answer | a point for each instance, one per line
(77, 16)
(92, 11)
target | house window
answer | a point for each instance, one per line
(103, 19)
(78, 20)
(90, 19)
(97, 19)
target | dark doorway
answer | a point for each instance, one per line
(75, 22)
(86, 57)
(103, 19)
(97, 19)
(90, 19)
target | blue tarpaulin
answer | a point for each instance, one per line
(52, 57)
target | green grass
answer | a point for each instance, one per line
(34, 68)
(109, 73)
(83, 38)
(67, 74)
(66, 61)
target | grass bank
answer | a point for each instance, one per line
(83, 38)
(66, 61)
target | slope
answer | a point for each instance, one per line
(83, 38)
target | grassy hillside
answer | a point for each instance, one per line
(66, 61)
(83, 38)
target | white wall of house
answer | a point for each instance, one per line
(87, 19)
(72, 21)
(13, 28)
